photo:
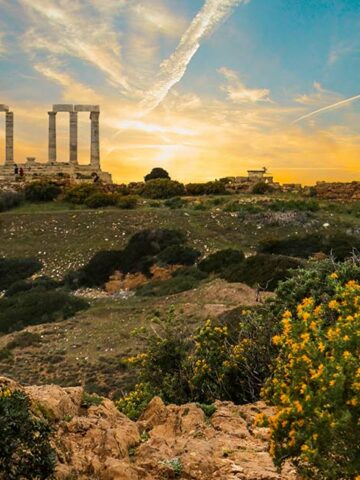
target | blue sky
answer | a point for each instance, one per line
(205, 88)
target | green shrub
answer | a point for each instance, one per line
(209, 188)
(196, 189)
(5, 354)
(37, 306)
(340, 245)
(218, 362)
(316, 385)
(265, 271)
(91, 400)
(157, 173)
(243, 208)
(178, 255)
(15, 269)
(79, 193)
(162, 189)
(299, 205)
(183, 279)
(127, 202)
(174, 203)
(23, 340)
(97, 271)
(261, 188)
(138, 256)
(221, 260)
(208, 410)
(41, 191)
(25, 451)
(100, 200)
(25, 285)
(9, 200)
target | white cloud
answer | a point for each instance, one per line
(237, 92)
(318, 96)
(67, 27)
(212, 14)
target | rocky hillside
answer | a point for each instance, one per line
(93, 440)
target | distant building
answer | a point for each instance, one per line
(253, 177)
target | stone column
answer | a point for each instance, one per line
(95, 140)
(9, 138)
(52, 137)
(74, 138)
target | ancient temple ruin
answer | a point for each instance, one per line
(70, 169)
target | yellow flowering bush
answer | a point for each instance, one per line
(316, 385)
(136, 401)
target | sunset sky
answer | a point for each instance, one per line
(202, 88)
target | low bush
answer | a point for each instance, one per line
(9, 200)
(217, 362)
(138, 256)
(97, 271)
(210, 188)
(37, 306)
(243, 208)
(157, 173)
(174, 203)
(316, 385)
(264, 271)
(183, 279)
(15, 269)
(23, 340)
(221, 260)
(261, 188)
(25, 440)
(162, 189)
(340, 245)
(127, 202)
(178, 255)
(100, 200)
(24, 285)
(299, 205)
(78, 194)
(42, 191)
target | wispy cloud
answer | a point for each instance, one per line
(339, 104)
(212, 14)
(237, 92)
(72, 89)
(319, 96)
(66, 27)
(340, 50)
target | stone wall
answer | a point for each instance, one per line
(338, 190)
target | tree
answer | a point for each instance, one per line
(157, 173)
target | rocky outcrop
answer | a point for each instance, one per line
(96, 441)
(338, 190)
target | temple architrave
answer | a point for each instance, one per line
(31, 169)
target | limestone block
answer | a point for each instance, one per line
(87, 108)
(63, 107)
(3, 108)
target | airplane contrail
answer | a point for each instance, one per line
(211, 15)
(329, 107)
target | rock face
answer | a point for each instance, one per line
(98, 442)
